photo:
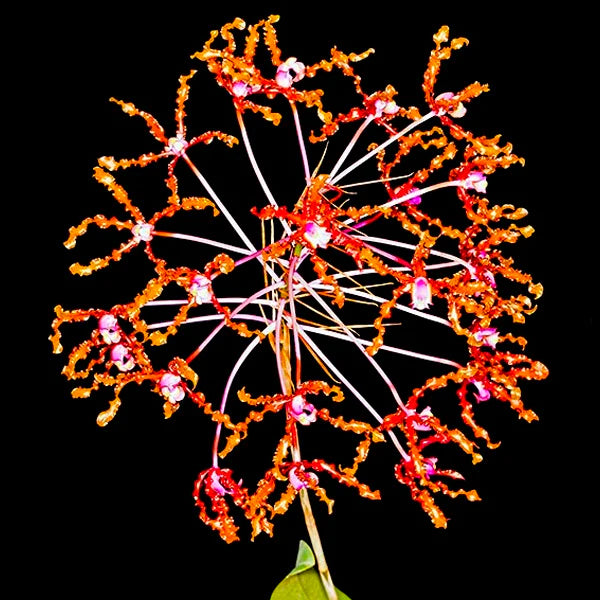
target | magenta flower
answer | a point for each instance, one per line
(487, 336)
(302, 411)
(200, 289)
(122, 358)
(289, 72)
(421, 294)
(316, 236)
(476, 181)
(109, 329)
(455, 108)
(301, 479)
(142, 231)
(170, 387)
(483, 392)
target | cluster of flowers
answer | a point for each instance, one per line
(318, 255)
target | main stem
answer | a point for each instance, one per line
(309, 518)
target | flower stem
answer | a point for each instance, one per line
(309, 518)
(317, 547)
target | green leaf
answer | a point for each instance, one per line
(303, 582)
(304, 560)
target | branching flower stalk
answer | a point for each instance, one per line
(311, 525)
(338, 264)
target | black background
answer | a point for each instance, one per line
(110, 512)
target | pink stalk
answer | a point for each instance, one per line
(258, 255)
(455, 259)
(206, 318)
(421, 191)
(294, 322)
(371, 296)
(219, 204)
(307, 175)
(349, 147)
(201, 240)
(315, 348)
(384, 347)
(385, 144)
(218, 328)
(256, 168)
(240, 361)
(223, 300)
(404, 198)
(353, 338)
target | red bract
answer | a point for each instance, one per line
(338, 264)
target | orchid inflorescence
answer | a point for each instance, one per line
(382, 253)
